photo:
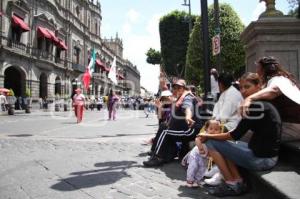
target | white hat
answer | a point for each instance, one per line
(166, 93)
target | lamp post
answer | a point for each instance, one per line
(190, 19)
(206, 56)
(190, 28)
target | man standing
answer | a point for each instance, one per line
(183, 126)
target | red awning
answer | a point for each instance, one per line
(53, 37)
(120, 76)
(99, 63)
(107, 69)
(43, 32)
(62, 45)
(48, 34)
(17, 21)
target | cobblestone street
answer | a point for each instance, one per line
(48, 155)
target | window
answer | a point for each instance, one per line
(48, 45)
(77, 54)
(40, 43)
(57, 54)
(77, 11)
(16, 34)
(96, 27)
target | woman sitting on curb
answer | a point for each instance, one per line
(262, 151)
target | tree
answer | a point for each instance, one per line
(232, 51)
(153, 56)
(295, 9)
(194, 58)
(174, 36)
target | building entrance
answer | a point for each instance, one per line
(14, 79)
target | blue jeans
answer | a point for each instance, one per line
(239, 153)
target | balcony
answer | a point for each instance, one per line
(42, 54)
(78, 67)
(17, 45)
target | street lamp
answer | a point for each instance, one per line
(190, 28)
(190, 19)
(206, 56)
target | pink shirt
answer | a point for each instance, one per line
(78, 99)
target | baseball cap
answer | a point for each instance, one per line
(180, 82)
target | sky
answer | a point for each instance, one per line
(136, 22)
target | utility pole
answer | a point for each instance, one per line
(206, 55)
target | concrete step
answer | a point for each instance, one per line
(283, 181)
(290, 152)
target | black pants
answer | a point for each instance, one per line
(164, 144)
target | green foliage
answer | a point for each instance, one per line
(28, 92)
(194, 58)
(294, 12)
(174, 36)
(11, 92)
(153, 56)
(232, 51)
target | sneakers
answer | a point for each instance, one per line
(154, 162)
(215, 180)
(224, 189)
(210, 173)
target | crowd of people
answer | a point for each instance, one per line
(244, 129)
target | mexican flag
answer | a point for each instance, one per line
(89, 71)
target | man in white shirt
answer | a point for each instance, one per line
(215, 91)
(226, 108)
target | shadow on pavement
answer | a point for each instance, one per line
(122, 135)
(109, 173)
(175, 171)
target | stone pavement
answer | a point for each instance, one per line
(46, 155)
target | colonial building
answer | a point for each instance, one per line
(45, 46)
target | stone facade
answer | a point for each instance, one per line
(50, 56)
(273, 36)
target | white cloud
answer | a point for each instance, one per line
(136, 46)
(258, 10)
(152, 27)
(126, 28)
(133, 16)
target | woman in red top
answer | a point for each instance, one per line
(78, 103)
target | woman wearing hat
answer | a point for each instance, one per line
(182, 126)
(78, 103)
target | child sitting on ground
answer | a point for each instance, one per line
(197, 159)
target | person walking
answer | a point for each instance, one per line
(78, 103)
(112, 105)
(3, 102)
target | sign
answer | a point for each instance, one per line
(216, 45)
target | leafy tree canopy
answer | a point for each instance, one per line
(174, 36)
(232, 52)
(153, 56)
